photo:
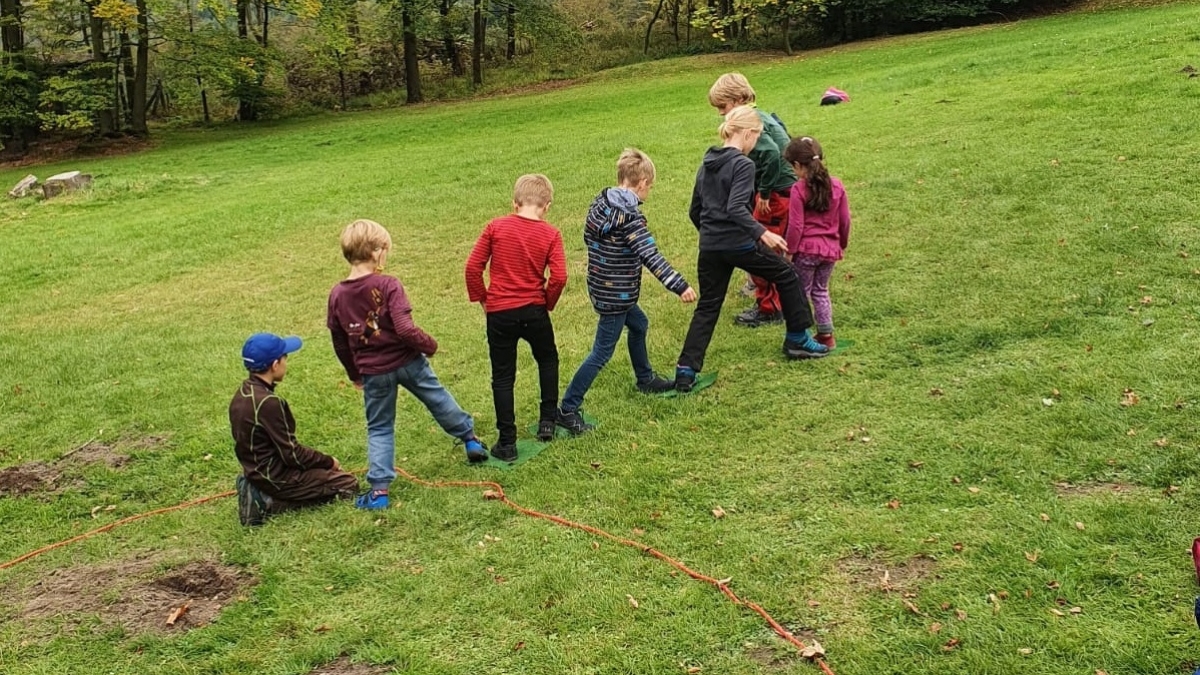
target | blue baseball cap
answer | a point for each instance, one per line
(263, 349)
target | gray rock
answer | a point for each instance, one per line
(22, 188)
(65, 182)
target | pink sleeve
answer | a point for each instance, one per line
(795, 217)
(844, 221)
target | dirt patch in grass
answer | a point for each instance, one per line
(781, 656)
(1090, 489)
(343, 666)
(49, 151)
(137, 595)
(16, 481)
(887, 576)
(41, 477)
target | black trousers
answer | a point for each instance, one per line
(504, 329)
(714, 269)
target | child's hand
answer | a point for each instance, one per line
(774, 242)
(689, 295)
(762, 207)
(358, 385)
(336, 465)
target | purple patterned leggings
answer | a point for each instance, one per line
(814, 273)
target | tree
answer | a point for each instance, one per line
(478, 35)
(412, 68)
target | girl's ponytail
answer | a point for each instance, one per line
(806, 152)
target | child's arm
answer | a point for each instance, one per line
(402, 322)
(476, 262)
(694, 209)
(341, 345)
(641, 242)
(557, 261)
(795, 228)
(844, 221)
(741, 190)
(277, 421)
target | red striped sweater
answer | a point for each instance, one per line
(517, 251)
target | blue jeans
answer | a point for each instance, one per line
(379, 400)
(608, 331)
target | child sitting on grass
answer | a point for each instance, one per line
(618, 245)
(279, 474)
(517, 249)
(370, 322)
(818, 228)
(730, 238)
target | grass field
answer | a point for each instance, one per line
(1024, 209)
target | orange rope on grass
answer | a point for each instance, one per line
(106, 528)
(495, 492)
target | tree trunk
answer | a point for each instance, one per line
(687, 31)
(477, 46)
(199, 80)
(104, 118)
(448, 41)
(675, 20)
(247, 112)
(125, 105)
(650, 27)
(412, 67)
(141, 74)
(510, 31)
(787, 31)
(12, 39)
(266, 21)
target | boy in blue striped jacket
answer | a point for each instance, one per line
(618, 245)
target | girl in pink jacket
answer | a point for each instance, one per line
(818, 228)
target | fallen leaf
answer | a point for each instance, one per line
(916, 465)
(323, 628)
(1131, 432)
(1079, 526)
(519, 646)
(945, 606)
(1161, 443)
(1056, 612)
(1171, 489)
(1055, 393)
(960, 615)
(491, 494)
(1024, 651)
(718, 512)
(813, 651)
(1047, 402)
(973, 490)
(1003, 595)
(955, 479)
(894, 504)
(1076, 610)
(693, 670)
(1053, 585)
(1129, 398)
(637, 532)
(935, 628)
(1045, 517)
(995, 603)
(912, 608)
(1032, 556)
(725, 581)
(595, 546)
(813, 603)
(1147, 300)
(936, 392)
(596, 465)
(957, 547)
(865, 439)
(951, 645)
(1101, 672)
(174, 616)
(208, 457)
(1087, 348)
(95, 510)
(632, 602)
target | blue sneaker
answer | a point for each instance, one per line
(809, 349)
(372, 501)
(476, 451)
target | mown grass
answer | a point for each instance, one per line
(1023, 203)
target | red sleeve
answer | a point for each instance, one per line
(844, 221)
(402, 322)
(476, 262)
(795, 227)
(558, 272)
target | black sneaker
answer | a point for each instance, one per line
(684, 382)
(753, 318)
(505, 452)
(573, 422)
(251, 505)
(805, 350)
(545, 432)
(656, 385)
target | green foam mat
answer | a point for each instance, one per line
(842, 345)
(560, 432)
(703, 381)
(527, 449)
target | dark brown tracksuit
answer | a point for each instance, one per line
(264, 437)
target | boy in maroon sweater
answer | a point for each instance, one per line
(370, 321)
(517, 249)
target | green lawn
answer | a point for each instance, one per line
(1024, 206)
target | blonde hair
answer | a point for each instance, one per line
(533, 189)
(731, 88)
(741, 118)
(633, 167)
(362, 239)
